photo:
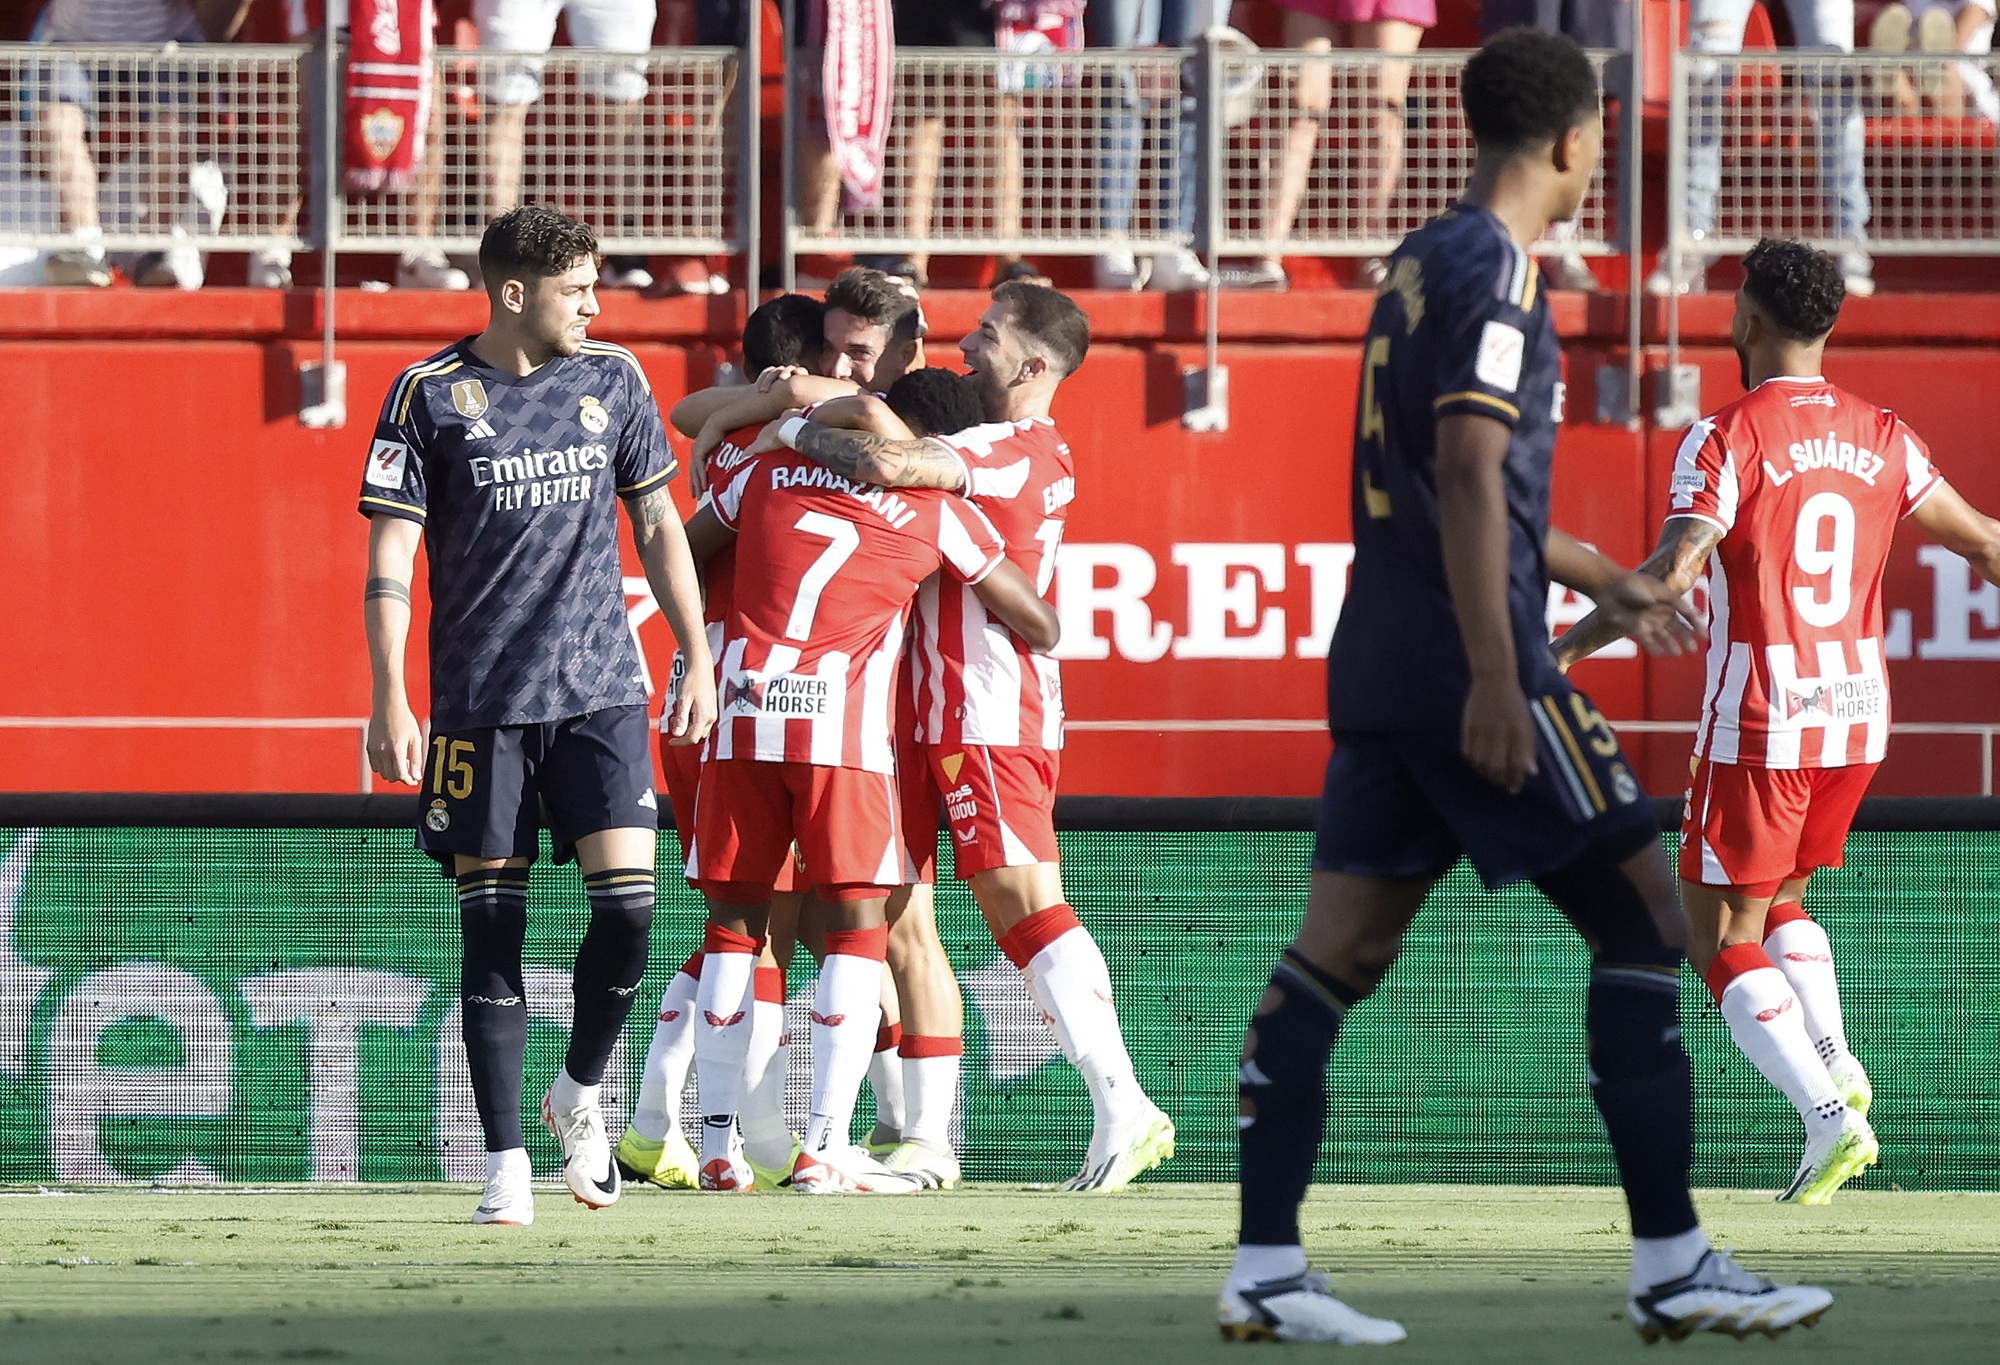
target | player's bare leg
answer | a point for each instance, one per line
(933, 1036)
(1065, 972)
(506, 146)
(1766, 1020)
(493, 923)
(1352, 931)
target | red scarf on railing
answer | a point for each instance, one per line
(859, 70)
(388, 93)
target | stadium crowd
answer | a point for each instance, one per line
(183, 189)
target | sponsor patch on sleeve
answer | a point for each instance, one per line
(386, 463)
(1501, 348)
(1686, 483)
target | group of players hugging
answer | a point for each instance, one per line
(858, 600)
(865, 647)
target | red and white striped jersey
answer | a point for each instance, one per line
(718, 575)
(825, 573)
(977, 683)
(1807, 483)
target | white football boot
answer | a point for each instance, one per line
(1298, 1308)
(1720, 1296)
(510, 1192)
(587, 1166)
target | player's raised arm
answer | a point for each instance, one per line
(1648, 603)
(863, 412)
(1961, 528)
(867, 458)
(395, 740)
(711, 414)
(1497, 734)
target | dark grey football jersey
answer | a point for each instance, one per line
(516, 481)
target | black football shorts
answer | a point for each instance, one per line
(488, 792)
(1406, 804)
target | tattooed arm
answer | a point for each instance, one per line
(1684, 548)
(395, 740)
(867, 458)
(670, 571)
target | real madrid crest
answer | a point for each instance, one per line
(437, 819)
(1623, 785)
(469, 397)
(591, 413)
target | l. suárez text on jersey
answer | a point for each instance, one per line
(539, 478)
(887, 505)
(1833, 453)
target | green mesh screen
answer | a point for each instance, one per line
(280, 1005)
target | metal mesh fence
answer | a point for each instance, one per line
(1334, 154)
(1893, 153)
(1067, 152)
(639, 147)
(207, 143)
(1344, 153)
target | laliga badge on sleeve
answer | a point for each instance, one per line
(386, 461)
(1501, 349)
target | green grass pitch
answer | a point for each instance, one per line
(990, 1273)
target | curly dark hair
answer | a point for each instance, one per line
(936, 402)
(1798, 288)
(1524, 88)
(787, 330)
(533, 241)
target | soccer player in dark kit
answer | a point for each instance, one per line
(512, 450)
(1456, 735)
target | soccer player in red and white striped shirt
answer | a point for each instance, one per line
(825, 572)
(1785, 502)
(990, 712)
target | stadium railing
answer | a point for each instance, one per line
(1761, 128)
(264, 988)
(653, 170)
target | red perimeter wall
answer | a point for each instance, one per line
(174, 544)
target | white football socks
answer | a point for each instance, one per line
(885, 1080)
(767, 1139)
(1799, 948)
(1071, 983)
(567, 1095)
(930, 1088)
(1656, 1260)
(847, 1003)
(1767, 1023)
(1257, 1265)
(669, 1057)
(722, 1037)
